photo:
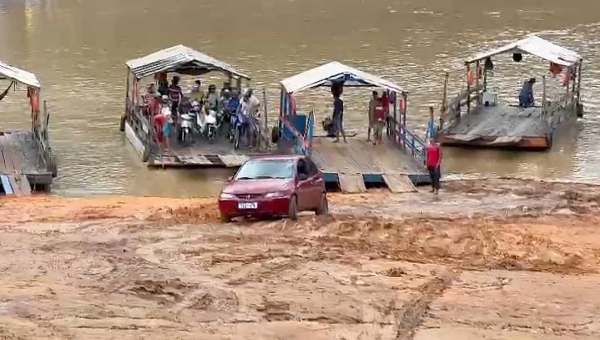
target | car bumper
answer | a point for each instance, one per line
(264, 207)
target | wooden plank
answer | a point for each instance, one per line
(158, 160)
(17, 153)
(334, 155)
(352, 183)
(399, 183)
(15, 186)
(194, 160)
(7, 187)
(24, 185)
(2, 162)
(233, 160)
(361, 156)
(9, 166)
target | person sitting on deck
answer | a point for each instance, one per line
(374, 98)
(175, 94)
(328, 126)
(526, 95)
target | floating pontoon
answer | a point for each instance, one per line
(26, 160)
(477, 118)
(398, 163)
(139, 130)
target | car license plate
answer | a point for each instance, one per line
(248, 205)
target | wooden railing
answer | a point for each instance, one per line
(141, 126)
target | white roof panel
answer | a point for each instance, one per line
(536, 46)
(18, 75)
(325, 75)
(178, 56)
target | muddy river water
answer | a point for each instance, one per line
(78, 49)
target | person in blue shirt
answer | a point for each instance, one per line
(431, 129)
(526, 95)
(338, 118)
(234, 101)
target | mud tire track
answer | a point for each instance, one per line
(412, 315)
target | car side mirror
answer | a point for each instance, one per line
(230, 178)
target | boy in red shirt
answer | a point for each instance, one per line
(434, 161)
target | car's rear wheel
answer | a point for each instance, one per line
(225, 218)
(293, 208)
(323, 208)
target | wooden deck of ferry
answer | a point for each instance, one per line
(358, 164)
(501, 126)
(477, 118)
(204, 154)
(20, 166)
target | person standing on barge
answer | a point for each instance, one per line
(372, 104)
(338, 117)
(175, 94)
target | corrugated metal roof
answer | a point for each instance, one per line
(536, 46)
(178, 56)
(18, 75)
(324, 75)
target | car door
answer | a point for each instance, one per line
(316, 181)
(304, 186)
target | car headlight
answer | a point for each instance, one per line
(275, 195)
(226, 196)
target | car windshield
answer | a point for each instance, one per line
(266, 170)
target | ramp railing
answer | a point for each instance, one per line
(408, 141)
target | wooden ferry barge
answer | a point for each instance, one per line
(476, 118)
(358, 164)
(138, 127)
(26, 160)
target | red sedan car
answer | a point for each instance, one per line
(274, 186)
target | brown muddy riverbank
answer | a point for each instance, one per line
(504, 259)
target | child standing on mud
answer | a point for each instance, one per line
(434, 162)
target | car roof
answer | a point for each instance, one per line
(277, 158)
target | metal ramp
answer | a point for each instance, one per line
(399, 183)
(352, 183)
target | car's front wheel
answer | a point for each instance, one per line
(225, 218)
(293, 208)
(323, 208)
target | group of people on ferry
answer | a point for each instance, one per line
(379, 111)
(166, 106)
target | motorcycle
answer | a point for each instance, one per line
(209, 125)
(235, 130)
(186, 124)
(239, 130)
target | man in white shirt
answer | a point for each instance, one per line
(249, 108)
